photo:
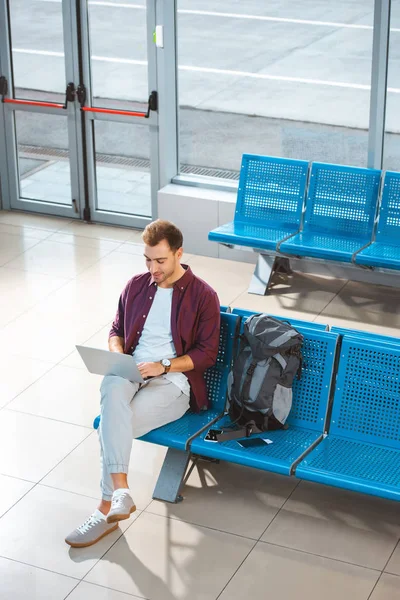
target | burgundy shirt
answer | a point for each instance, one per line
(195, 324)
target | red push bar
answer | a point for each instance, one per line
(32, 103)
(109, 111)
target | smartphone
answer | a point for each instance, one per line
(212, 435)
(253, 442)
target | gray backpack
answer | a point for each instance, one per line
(260, 383)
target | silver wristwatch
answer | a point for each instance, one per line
(166, 363)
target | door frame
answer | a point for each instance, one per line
(80, 119)
(90, 114)
(11, 106)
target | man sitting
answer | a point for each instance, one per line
(169, 320)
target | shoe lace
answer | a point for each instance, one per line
(118, 502)
(88, 524)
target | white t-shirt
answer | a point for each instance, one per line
(156, 341)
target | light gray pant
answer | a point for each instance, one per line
(129, 411)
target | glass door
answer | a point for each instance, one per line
(120, 108)
(79, 100)
(38, 99)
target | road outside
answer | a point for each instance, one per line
(285, 79)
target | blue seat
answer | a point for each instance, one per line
(340, 212)
(295, 322)
(386, 339)
(269, 202)
(362, 449)
(306, 420)
(178, 433)
(384, 252)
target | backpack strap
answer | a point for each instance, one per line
(245, 391)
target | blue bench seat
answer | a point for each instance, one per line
(340, 213)
(358, 466)
(384, 252)
(252, 236)
(380, 255)
(269, 203)
(323, 246)
(362, 449)
(376, 337)
(306, 421)
(287, 447)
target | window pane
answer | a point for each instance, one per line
(37, 48)
(123, 168)
(391, 160)
(280, 80)
(43, 157)
(118, 50)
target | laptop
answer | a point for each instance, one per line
(104, 362)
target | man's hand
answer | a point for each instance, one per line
(150, 369)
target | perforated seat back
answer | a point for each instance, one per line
(366, 405)
(342, 201)
(271, 191)
(388, 230)
(216, 376)
(311, 393)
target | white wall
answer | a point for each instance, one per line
(196, 211)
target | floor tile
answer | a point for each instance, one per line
(98, 340)
(164, 559)
(89, 591)
(53, 258)
(30, 446)
(132, 248)
(228, 278)
(63, 393)
(337, 524)
(366, 303)
(49, 337)
(33, 532)
(94, 230)
(113, 272)
(393, 565)
(23, 231)
(12, 246)
(87, 241)
(31, 220)
(17, 578)
(388, 588)
(17, 373)
(79, 302)
(20, 290)
(375, 298)
(287, 573)
(79, 472)
(303, 298)
(136, 236)
(284, 306)
(12, 490)
(213, 498)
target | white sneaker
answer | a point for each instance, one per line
(122, 506)
(91, 531)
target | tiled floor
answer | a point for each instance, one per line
(239, 532)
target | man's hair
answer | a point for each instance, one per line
(160, 230)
